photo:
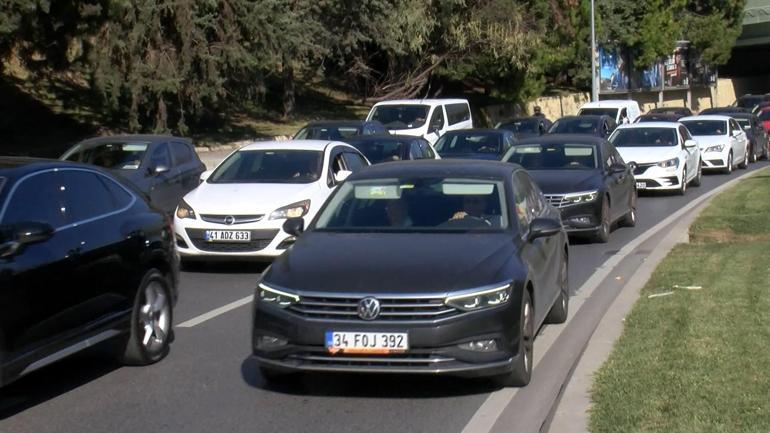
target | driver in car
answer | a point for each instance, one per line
(475, 207)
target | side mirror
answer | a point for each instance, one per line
(159, 169)
(294, 226)
(342, 175)
(690, 144)
(736, 133)
(22, 234)
(205, 175)
(543, 227)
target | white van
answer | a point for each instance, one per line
(427, 118)
(619, 109)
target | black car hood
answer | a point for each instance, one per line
(565, 181)
(391, 262)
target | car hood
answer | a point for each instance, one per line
(566, 181)
(378, 263)
(646, 155)
(247, 198)
(705, 141)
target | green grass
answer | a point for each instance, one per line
(699, 360)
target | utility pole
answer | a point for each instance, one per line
(594, 92)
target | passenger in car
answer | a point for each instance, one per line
(398, 214)
(475, 206)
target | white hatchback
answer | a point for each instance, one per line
(664, 155)
(722, 141)
(239, 208)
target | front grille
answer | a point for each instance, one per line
(556, 200)
(236, 219)
(716, 161)
(641, 168)
(390, 308)
(400, 360)
(260, 239)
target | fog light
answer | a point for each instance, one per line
(286, 243)
(479, 346)
(266, 342)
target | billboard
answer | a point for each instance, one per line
(613, 70)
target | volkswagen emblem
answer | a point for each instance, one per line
(368, 308)
(229, 220)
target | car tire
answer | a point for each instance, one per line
(729, 168)
(683, 184)
(560, 308)
(602, 234)
(754, 157)
(745, 163)
(629, 220)
(151, 322)
(699, 176)
(521, 372)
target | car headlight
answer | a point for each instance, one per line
(581, 197)
(276, 297)
(669, 163)
(481, 299)
(184, 211)
(716, 148)
(294, 210)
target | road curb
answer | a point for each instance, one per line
(572, 410)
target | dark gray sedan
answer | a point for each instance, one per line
(163, 167)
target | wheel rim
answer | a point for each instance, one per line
(605, 219)
(564, 286)
(527, 335)
(154, 317)
(632, 215)
(730, 163)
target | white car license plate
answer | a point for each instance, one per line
(641, 185)
(366, 342)
(227, 236)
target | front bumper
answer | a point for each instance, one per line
(582, 218)
(433, 344)
(654, 178)
(714, 160)
(268, 240)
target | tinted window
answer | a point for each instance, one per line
(353, 161)
(706, 127)
(522, 197)
(419, 204)
(25, 204)
(377, 151)
(401, 116)
(427, 152)
(685, 133)
(328, 132)
(576, 126)
(437, 119)
(612, 112)
(644, 137)
(470, 142)
(457, 113)
(160, 156)
(182, 153)
(269, 166)
(87, 195)
(526, 126)
(121, 155)
(554, 156)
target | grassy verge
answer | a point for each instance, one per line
(699, 360)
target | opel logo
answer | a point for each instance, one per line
(229, 220)
(368, 308)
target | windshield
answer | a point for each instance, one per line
(575, 126)
(465, 143)
(529, 126)
(644, 137)
(327, 132)
(416, 204)
(554, 156)
(119, 155)
(706, 127)
(406, 116)
(377, 151)
(612, 112)
(269, 166)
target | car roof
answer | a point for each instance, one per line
(318, 145)
(422, 102)
(672, 125)
(560, 138)
(21, 165)
(133, 137)
(610, 103)
(437, 168)
(706, 117)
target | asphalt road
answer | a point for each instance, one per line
(208, 383)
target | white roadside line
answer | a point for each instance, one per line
(216, 312)
(489, 411)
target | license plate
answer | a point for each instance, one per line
(227, 236)
(366, 342)
(641, 185)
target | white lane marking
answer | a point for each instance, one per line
(489, 411)
(216, 312)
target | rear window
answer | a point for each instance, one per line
(575, 126)
(469, 143)
(377, 151)
(119, 155)
(405, 116)
(328, 132)
(457, 113)
(612, 112)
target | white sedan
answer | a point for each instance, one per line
(664, 155)
(722, 141)
(239, 208)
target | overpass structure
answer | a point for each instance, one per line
(752, 49)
